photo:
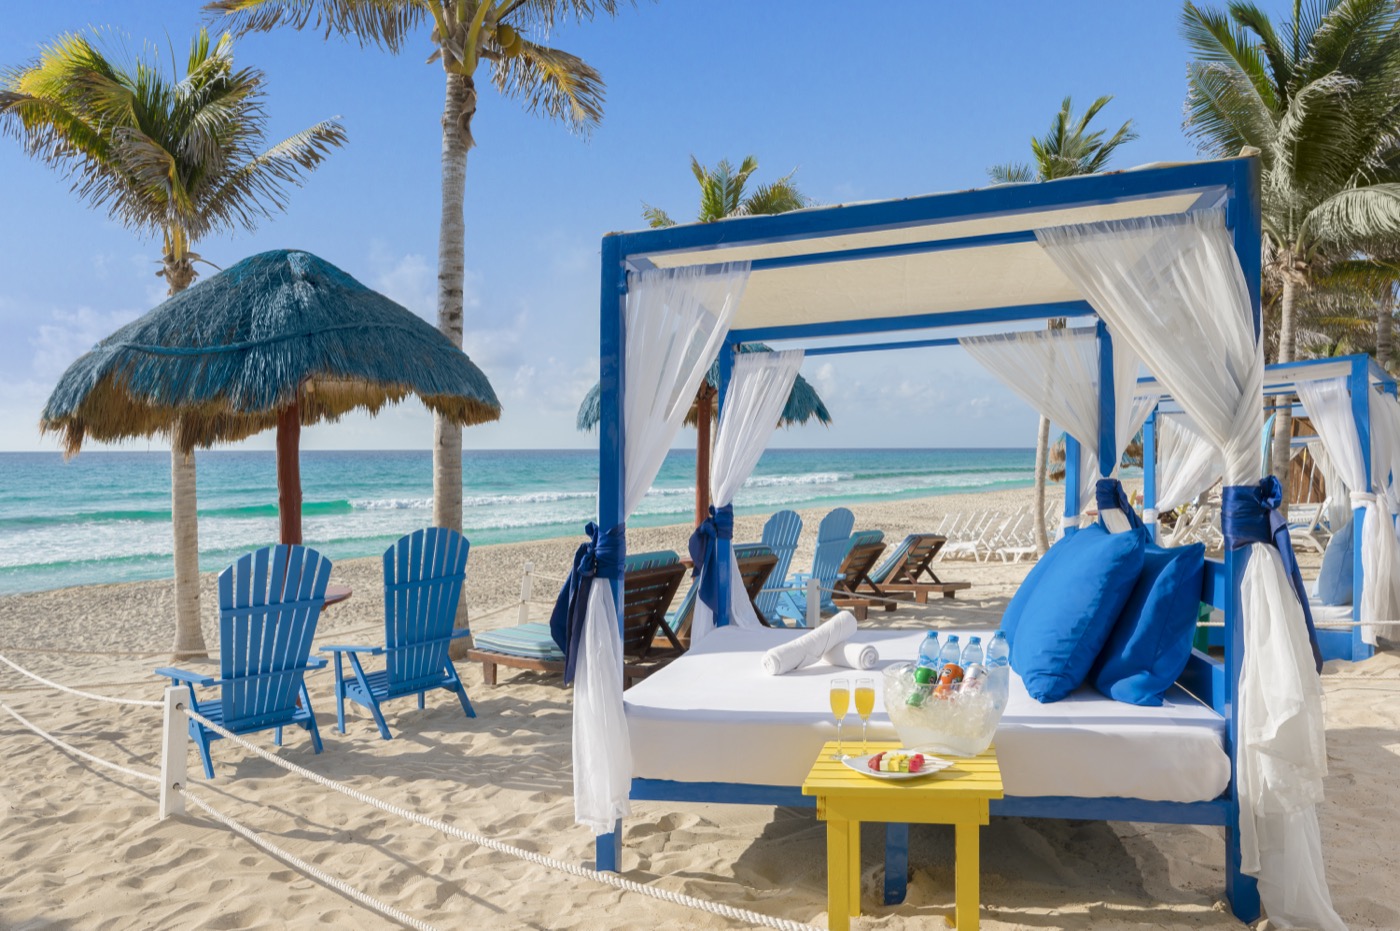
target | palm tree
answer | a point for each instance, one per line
(1319, 97)
(1066, 150)
(723, 194)
(463, 35)
(177, 157)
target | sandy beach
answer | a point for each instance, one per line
(84, 847)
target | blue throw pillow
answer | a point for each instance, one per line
(1068, 605)
(1151, 641)
(1011, 617)
(1335, 578)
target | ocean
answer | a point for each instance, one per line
(105, 516)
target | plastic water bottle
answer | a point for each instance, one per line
(950, 652)
(999, 667)
(972, 653)
(998, 652)
(928, 650)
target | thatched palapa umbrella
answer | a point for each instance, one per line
(803, 404)
(282, 339)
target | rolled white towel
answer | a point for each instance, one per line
(853, 655)
(811, 646)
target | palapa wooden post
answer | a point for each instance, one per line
(704, 403)
(289, 472)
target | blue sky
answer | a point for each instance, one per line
(906, 97)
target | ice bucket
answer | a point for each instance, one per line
(958, 722)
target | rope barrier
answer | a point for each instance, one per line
(480, 840)
(135, 774)
(110, 699)
(301, 865)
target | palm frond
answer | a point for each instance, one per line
(258, 188)
(556, 83)
(1011, 173)
(656, 217)
(1215, 41)
(386, 23)
(778, 196)
(1355, 217)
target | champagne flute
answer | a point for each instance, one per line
(840, 704)
(865, 704)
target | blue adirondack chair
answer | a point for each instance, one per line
(833, 539)
(780, 535)
(423, 576)
(269, 603)
(756, 565)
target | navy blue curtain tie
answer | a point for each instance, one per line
(600, 558)
(704, 553)
(1249, 514)
(1110, 496)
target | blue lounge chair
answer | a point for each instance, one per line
(780, 535)
(833, 540)
(756, 564)
(423, 576)
(650, 581)
(269, 603)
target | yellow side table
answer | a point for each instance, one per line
(958, 795)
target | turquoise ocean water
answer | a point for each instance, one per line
(105, 517)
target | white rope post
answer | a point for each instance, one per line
(814, 604)
(526, 584)
(174, 750)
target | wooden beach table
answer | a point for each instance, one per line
(959, 795)
(335, 594)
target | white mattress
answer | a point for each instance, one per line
(714, 716)
(1334, 616)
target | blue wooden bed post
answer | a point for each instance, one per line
(722, 546)
(611, 447)
(1108, 404)
(1242, 214)
(1149, 472)
(1072, 503)
(1359, 382)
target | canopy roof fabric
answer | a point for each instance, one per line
(803, 403)
(982, 256)
(216, 362)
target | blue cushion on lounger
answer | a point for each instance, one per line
(1151, 641)
(532, 641)
(1334, 581)
(1068, 605)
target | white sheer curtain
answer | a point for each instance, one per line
(1385, 446)
(676, 320)
(1337, 505)
(1187, 462)
(1328, 403)
(753, 405)
(1172, 288)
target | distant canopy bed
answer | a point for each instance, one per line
(1162, 262)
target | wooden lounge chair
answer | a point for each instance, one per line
(269, 603)
(854, 574)
(909, 569)
(833, 539)
(780, 534)
(423, 576)
(650, 581)
(756, 563)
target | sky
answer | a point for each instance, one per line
(907, 97)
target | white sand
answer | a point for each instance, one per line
(83, 848)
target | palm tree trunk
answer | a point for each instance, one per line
(1283, 421)
(704, 402)
(184, 499)
(1042, 456)
(447, 437)
(1385, 328)
(184, 520)
(289, 472)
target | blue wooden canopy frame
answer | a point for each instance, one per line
(1233, 183)
(1363, 375)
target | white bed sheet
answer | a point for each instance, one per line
(714, 716)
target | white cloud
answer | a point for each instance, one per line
(411, 280)
(69, 334)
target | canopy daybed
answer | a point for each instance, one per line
(1351, 400)
(1167, 258)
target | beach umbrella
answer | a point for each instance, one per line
(282, 339)
(803, 404)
